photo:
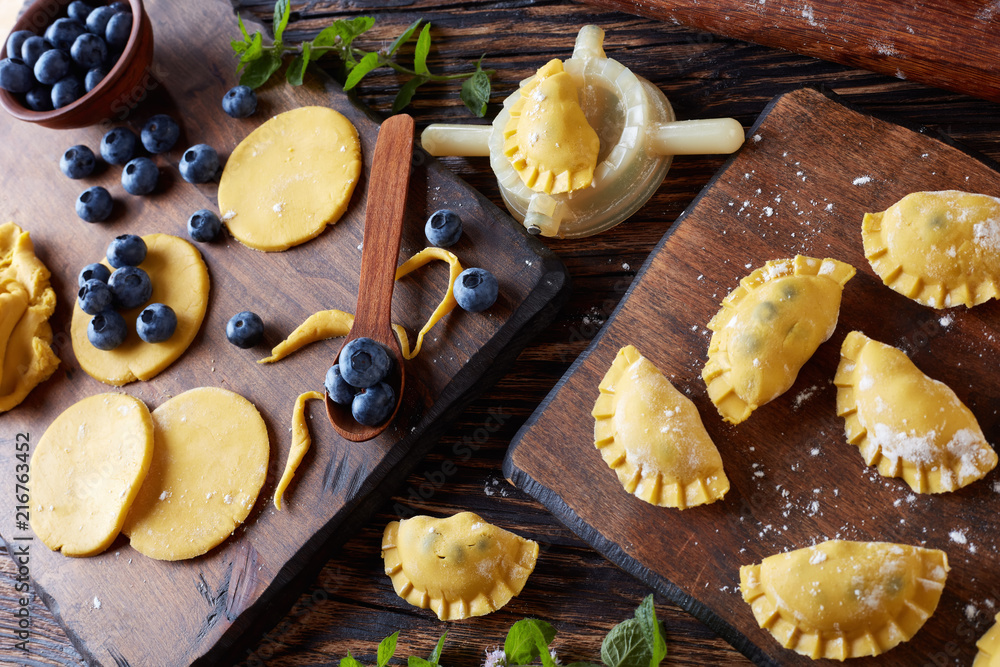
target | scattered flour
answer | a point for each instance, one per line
(861, 180)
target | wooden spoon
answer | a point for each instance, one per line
(387, 186)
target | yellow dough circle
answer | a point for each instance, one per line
(180, 280)
(842, 599)
(459, 566)
(86, 471)
(209, 464)
(290, 178)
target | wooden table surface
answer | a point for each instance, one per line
(351, 605)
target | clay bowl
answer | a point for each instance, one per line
(113, 96)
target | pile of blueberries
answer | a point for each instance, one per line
(358, 380)
(76, 52)
(120, 146)
(103, 293)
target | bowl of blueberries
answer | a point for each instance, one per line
(73, 64)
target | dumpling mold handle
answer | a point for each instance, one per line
(639, 136)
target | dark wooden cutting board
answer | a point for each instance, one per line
(810, 169)
(951, 45)
(123, 608)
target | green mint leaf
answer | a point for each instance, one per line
(582, 664)
(281, 14)
(387, 648)
(327, 36)
(404, 37)
(239, 46)
(646, 617)
(345, 30)
(526, 640)
(350, 661)
(423, 48)
(358, 72)
(297, 69)
(476, 92)
(257, 72)
(254, 50)
(625, 646)
(243, 28)
(405, 93)
(435, 656)
(414, 661)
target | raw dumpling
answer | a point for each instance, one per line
(989, 647)
(940, 249)
(458, 567)
(547, 139)
(906, 423)
(768, 328)
(651, 435)
(841, 600)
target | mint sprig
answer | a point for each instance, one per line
(258, 62)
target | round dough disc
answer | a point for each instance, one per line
(209, 464)
(290, 178)
(180, 280)
(87, 470)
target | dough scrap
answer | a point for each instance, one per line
(548, 140)
(768, 328)
(300, 443)
(458, 566)
(209, 463)
(840, 599)
(989, 646)
(652, 436)
(335, 323)
(26, 303)
(290, 178)
(180, 280)
(940, 249)
(87, 470)
(909, 425)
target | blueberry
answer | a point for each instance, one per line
(120, 7)
(78, 162)
(160, 133)
(156, 323)
(199, 164)
(94, 297)
(118, 30)
(118, 146)
(93, 77)
(204, 226)
(16, 41)
(363, 362)
(139, 177)
(126, 250)
(94, 204)
(97, 21)
(443, 228)
(52, 66)
(64, 32)
(245, 329)
(373, 405)
(240, 102)
(337, 387)
(476, 290)
(131, 287)
(32, 50)
(107, 330)
(93, 271)
(16, 76)
(66, 91)
(79, 10)
(39, 98)
(88, 51)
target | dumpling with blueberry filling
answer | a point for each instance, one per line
(768, 328)
(459, 566)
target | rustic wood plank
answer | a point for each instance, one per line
(801, 185)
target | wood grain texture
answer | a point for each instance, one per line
(120, 607)
(800, 186)
(908, 40)
(350, 605)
